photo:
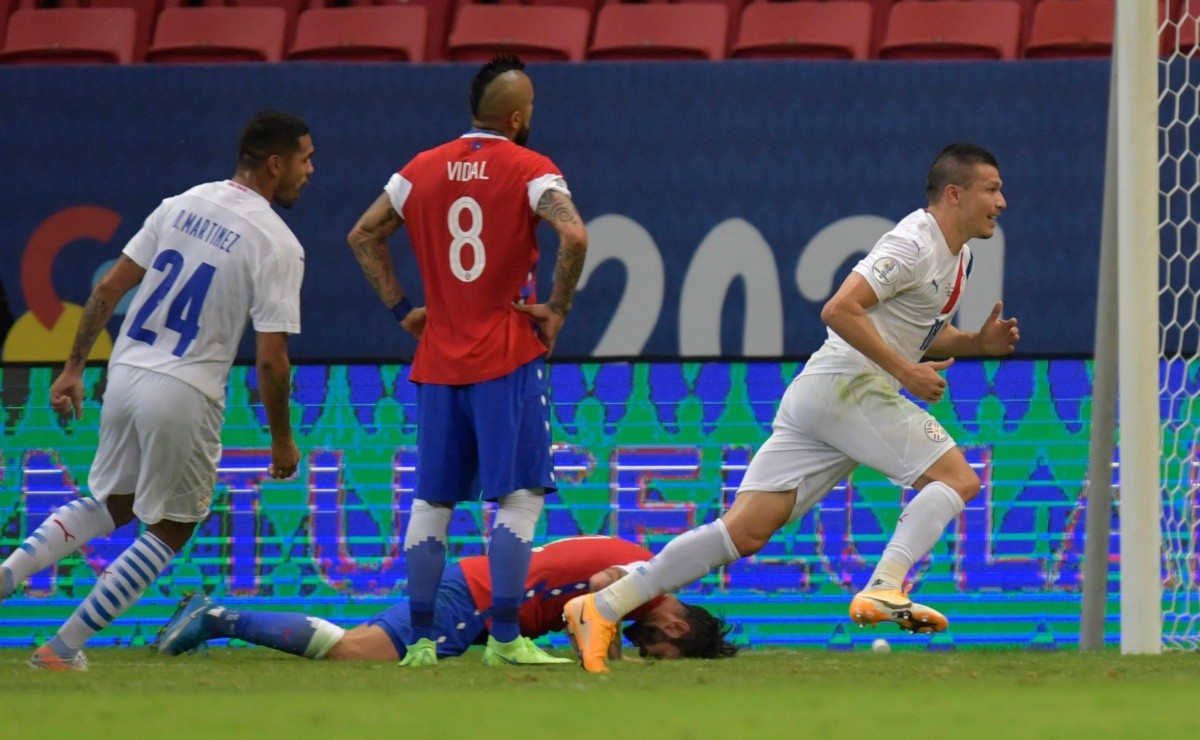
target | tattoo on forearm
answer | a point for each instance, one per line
(371, 250)
(557, 208)
(95, 316)
(567, 270)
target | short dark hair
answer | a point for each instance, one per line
(269, 132)
(953, 166)
(488, 72)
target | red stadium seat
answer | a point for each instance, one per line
(437, 19)
(660, 31)
(805, 30)
(394, 33)
(147, 12)
(953, 29)
(6, 8)
(218, 34)
(733, 13)
(536, 33)
(1071, 28)
(292, 8)
(589, 5)
(70, 36)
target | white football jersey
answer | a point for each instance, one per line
(920, 286)
(215, 256)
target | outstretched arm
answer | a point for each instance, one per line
(368, 241)
(66, 393)
(559, 211)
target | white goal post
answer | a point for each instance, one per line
(1132, 183)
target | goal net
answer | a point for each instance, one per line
(1179, 303)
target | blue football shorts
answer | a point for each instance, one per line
(457, 623)
(484, 440)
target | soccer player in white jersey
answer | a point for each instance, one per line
(212, 258)
(845, 409)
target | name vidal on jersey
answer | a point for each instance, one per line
(205, 230)
(464, 171)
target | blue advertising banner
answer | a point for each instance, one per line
(725, 201)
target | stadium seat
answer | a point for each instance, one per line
(1071, 28)
(805, 30)
(218, 34)
(536, 33)
(952, 29)
(292, 8)
(147, 12)
(438, 14)
(733, 13)
(660, 31)
(589, 5)
(6, 8)
(394, 33)
(70, 36)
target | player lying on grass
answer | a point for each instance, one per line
(664, 627)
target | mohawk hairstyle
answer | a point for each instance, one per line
(489, 72)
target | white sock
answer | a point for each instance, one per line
(121, 584)
(920, 526)
(70, 527)
(685, 559)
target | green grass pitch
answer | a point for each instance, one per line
(761, 694)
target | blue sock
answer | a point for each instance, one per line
(508, 562)
(425, 562)
(425, 559)
(289, 632)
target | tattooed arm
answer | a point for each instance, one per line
(66, 393)
(558, 211)
(368, 240)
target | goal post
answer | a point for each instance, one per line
(1136, 69)
(1132, 176)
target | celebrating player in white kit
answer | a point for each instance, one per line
(845, 409)
(217, 255)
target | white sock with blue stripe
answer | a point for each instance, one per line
(121, 584)
(70, 527)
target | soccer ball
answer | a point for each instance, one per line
(880, 646)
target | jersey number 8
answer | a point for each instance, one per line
(468, 237)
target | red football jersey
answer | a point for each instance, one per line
(469, 206)
(558, 572)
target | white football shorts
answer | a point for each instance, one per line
(829, 424)
(160, 439)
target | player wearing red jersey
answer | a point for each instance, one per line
(665, 627)
(471, 207)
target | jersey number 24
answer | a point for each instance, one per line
(183, 315)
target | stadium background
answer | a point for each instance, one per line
(748, 189)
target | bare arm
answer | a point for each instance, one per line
(558, 210)
(368, 240)
(997, 336)
(275, 384)
(846, 314)
(66, 393)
